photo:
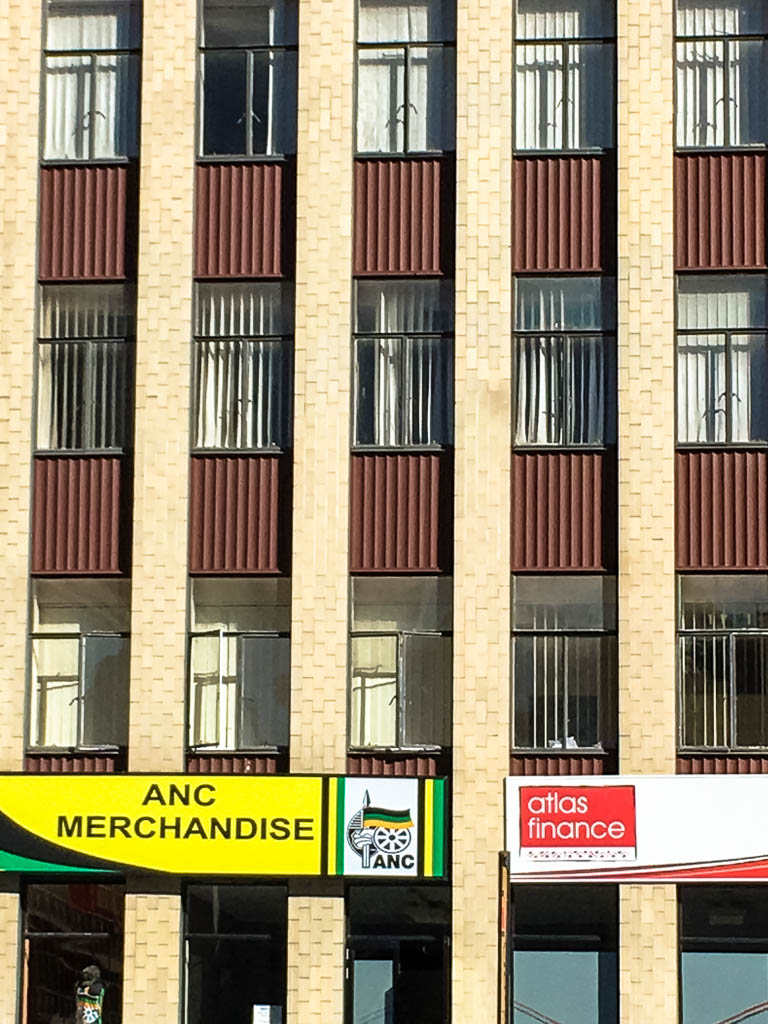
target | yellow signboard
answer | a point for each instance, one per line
(177, 824)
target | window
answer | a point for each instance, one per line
(398, 954)
(565, 662)
(67, 928)
(403, 364)
(401, 652)
(248, 77)
(91, 72)
(405, 76)
(720, 73)
(240, 664)
(80, 664)
(564, 954)
(564, 383)
(722, 359)
(723, 954)
(236, 942)
(564, 74)
(85, 367)
(242, 366)
(723, 661)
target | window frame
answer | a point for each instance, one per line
(35, 714)
(240, 698)
(725, 39)
(404, 46)
(401, 689)
(565, 43)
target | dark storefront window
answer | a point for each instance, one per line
(724, 954)
(235, 953)
(398, 955)
(68, 928)
(564, 957)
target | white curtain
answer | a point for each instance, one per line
(404, 307)
(54, 709)
(86, 311)
(207, 673)
(539, 96)
(564, 19)
(732, 301)
(241, 399)
(373, 709)
(701, 388)
(564, 303)
(243, 310)
(387, 22)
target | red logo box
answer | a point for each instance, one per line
(554, 817)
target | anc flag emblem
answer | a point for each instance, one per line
(380, 817)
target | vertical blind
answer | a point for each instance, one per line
(565, 304)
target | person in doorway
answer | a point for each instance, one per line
(89, 996)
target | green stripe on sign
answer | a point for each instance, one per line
(340, 827)
(438, 828)
(12, 862)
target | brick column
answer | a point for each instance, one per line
(315, 959)
(481, 680)
(10, 932)
(647, 652)
(152, 962)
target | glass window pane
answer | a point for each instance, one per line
(273, 117)
(714, 302)
(233, 310)
(55, 673)
(67, 108)
(381, 101)
(87, 311)
(705, 669)
(722, 986)
(205, 658)
(431, 90)
(81, 606)
(404, 307)
(720, 17)
(700, 93)
(565, 303)
(563, 19)
(724, 602)
(241, 605)
(747, 66)
(372, 991)
(749, 387)
(538, 694)
(106, 671)
(61, 399)
(539, 74)
(113, 121)
(590, 96)
(93, 24)
(224, 84)
(249, 23)
(387, 21)
(564, 603)
(427, 673)
(750, 665)
(265, 691)
(373, 705)
(585, 984)
(379, 391)
(702, 406)
(413, 604)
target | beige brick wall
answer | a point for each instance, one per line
(162, 386)
(647, 686)
(315, 960)
(10, 912)
(648, 956)
(152, 967)
(322, 385)
(20, 42)
(482, 510)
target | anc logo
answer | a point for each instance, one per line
(381, 836)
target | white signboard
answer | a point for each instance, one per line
(381, 827)
(638, 828)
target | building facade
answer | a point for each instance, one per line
(384, 398)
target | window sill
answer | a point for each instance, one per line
(406, 751)
(256, 158)
(103, 161)
(753, 147)
(73, 751)
(591, 151)
(421, 154)
(79, 453)
(731, 446)
(413, 449)
(219, 452)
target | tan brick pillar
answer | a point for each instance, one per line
(20, 43)
(315, 959)
(10, 920)
(481, 674)
(647, 655)
(319, 627)
(152, 971)
(322, 387)
(158, 618)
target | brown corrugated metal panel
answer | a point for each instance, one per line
(237, 764)
(87, 223)
(401, 513)
(562, 764)
(563, 511)
(404, 214)
(721, 764)
(722, 509)
(422, 766)
(240, 514)
(564, 213)
(243, 220)
(720, 211)
(74, 764)
(81, 515)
